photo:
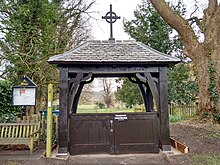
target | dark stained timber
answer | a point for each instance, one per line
(63, 129)
(111, 70)
(109, 133)
(163, 110)
(113, 133)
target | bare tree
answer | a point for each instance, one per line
(107, 89)
(86, 95)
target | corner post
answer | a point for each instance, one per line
(163, 110)
(63, 129)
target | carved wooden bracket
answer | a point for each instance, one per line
(147, 78)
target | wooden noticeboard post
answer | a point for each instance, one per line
(25, 94)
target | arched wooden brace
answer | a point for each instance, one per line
(143, 91)
(152, 85)
(74, 84)
(79, 90)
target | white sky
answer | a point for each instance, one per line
(124, 9)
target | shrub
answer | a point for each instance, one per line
(8, 112)
(175, 118)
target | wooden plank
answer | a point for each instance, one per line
(13, 132)
(32, 129)
(5, 141)
(9, 131)
(6, 131)
(28, 131)
(24, 131)
(179, 146)
(16, 131)
(3, 130)
(20, 130)
(15, 124)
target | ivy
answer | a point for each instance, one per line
(214, 96)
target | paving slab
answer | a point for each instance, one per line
(38, 158)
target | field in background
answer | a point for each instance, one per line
(95, 109)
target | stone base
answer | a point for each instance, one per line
(166, 147)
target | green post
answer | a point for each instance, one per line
(49, 120)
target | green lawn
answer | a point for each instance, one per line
(209, 159)
(95, 109)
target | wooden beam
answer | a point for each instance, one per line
(63, 115)
(76, 98)
(79, 78)
(113, 70)
(163, 110)
(153, 88)
(150, 99)
(143, 92)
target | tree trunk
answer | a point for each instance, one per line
(207, 68)
(38, 99)
(205, 55)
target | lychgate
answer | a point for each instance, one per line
(113, 133)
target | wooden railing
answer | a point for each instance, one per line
(185, 111)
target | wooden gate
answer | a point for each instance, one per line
(113, 133)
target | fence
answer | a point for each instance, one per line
(185, 111)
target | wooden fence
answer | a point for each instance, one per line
(185, 111)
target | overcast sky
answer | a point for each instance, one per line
(124, 9)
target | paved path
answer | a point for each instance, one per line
(131, 159)
(23, 158)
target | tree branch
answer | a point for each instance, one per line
(209, 12)
(177, 22)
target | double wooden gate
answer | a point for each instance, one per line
(113, 133)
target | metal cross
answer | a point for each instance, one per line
(111, 18)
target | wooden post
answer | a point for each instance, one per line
(63, 113)
(49, 120)
(163, 110)
(144, 96)
(150, 99)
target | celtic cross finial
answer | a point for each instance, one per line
(111, 18)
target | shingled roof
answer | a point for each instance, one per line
(104, 51)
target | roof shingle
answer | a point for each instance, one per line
(100, 51)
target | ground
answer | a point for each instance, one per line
(203, 141)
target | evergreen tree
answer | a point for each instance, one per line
(34, 30)
(149, 28)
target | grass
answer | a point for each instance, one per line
(208, 159)
(95, 109)
(175, 118)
